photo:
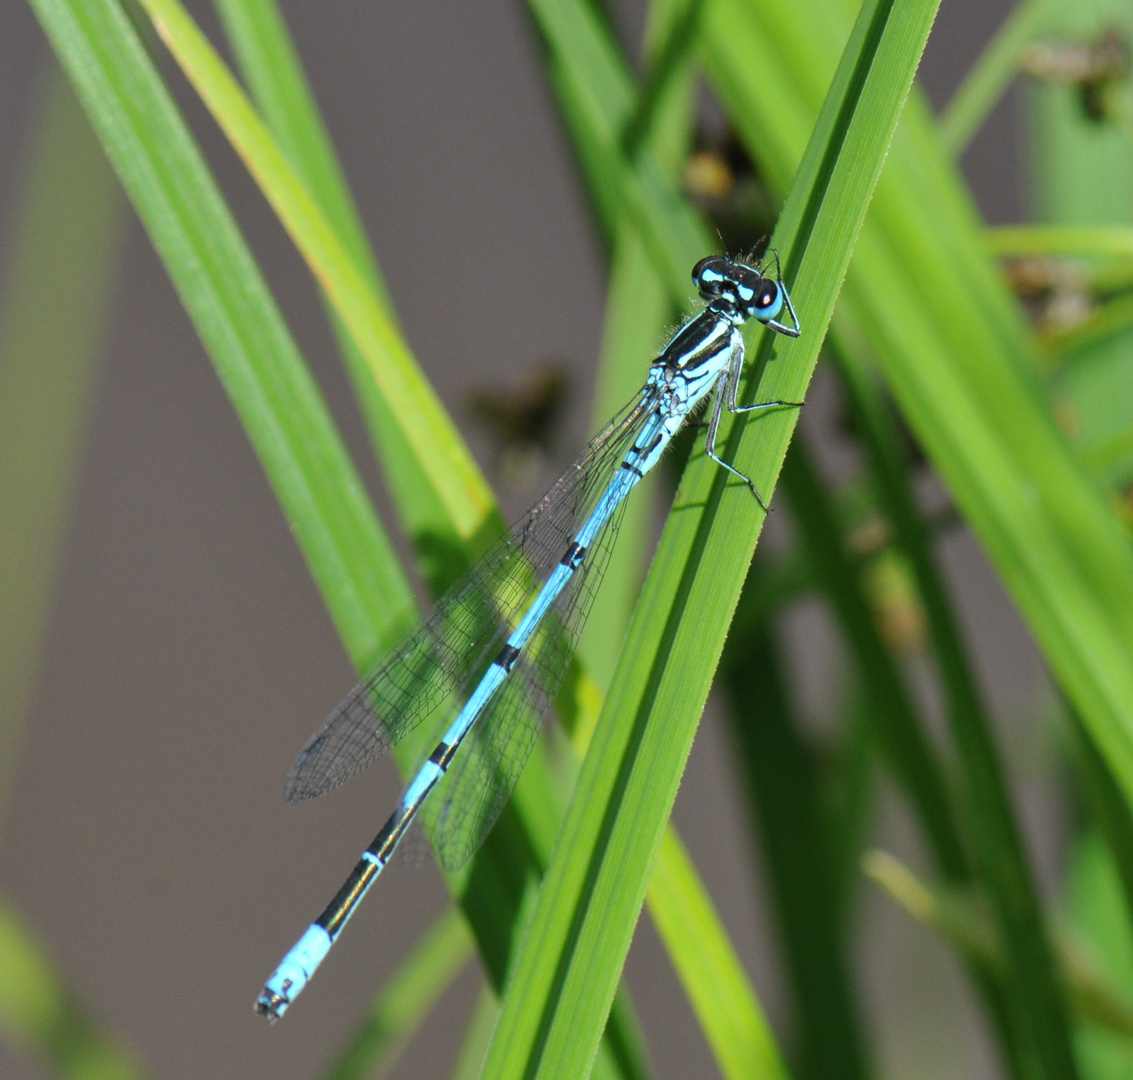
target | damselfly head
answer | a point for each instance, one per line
(737, 289)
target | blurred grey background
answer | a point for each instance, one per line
(189, 655)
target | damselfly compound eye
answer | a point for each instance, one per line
(767, 296)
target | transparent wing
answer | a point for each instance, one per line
(467, 802)
(414, 851)
(438, 662)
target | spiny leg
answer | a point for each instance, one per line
(727, 390)
(733, 374)
(710, 440)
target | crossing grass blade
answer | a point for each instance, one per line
(717, 986)
(991, 74)
(218, 282)
(639, 309)
(1065, 241)
(412, 404)
(639, 298)
(271, 68)
(579, 933)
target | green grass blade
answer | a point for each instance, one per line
(955, 352)
(412, 404)
(1097, 921)
(67, 236)
(782, 794)
(640, 291)
(967, 712)
(572, 955)
(220, 286)
(638, 309)
(718, 988)
(477, 1036)
(271, 66)
(407, 997)
(1110, 812)
(39, 1015)
(1065, 241)
(922, 792)
(990, 76)
(896, 724)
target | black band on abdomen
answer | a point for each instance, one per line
(508, 656)
(573, 555)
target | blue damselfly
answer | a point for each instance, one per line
(489, 659)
